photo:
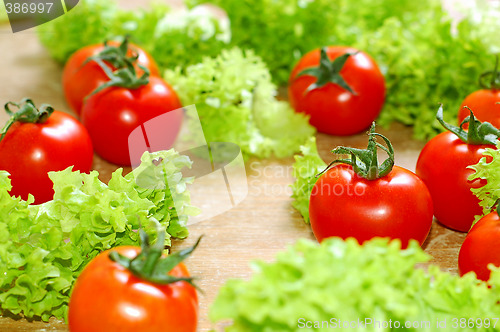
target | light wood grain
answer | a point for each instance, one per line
(263, 224)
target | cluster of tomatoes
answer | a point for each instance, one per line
(114, 88)
(342, 90)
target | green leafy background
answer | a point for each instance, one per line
(423, 60)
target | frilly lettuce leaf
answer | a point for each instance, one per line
(43, 248)
(171, 44)
(235, 99)
(488, 168)
(305, 169)
(164, 186)
(343, 280)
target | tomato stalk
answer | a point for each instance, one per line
(125, 74)
(150, 265)
(365, 161)
(27, 113)
(328, 72)
(494, 83)
(115, 55)
(478, 133)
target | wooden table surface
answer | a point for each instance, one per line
(263, 224)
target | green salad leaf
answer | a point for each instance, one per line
(342, 281)
(425, 57)
(43, 248)
(178, 39)
(305, 170)
(488, 168)
(236, 102)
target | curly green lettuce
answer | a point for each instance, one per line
(178, 39)
(488, 168)
(305, 170)
(43, 248)
(235, 100)
(424, 61)
(342, 281)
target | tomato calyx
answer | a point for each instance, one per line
(115, 55)
(328, 72)
(493, 75)
(479, 133)
(27, 113)
(149, 264)
(365, 161)
(125, 74)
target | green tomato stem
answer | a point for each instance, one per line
(27, 113)
(328, 72)
(150, 265)
(494, 83)
(365, 161)
(124, 75)
(478, 133)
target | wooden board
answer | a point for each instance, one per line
(263, 224)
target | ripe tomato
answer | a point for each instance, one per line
(484, 102)
(480, 247)
(485, 105)
(30, 150)
(344, 204)
(320, 88)
(80, 79)
(442, 165)
(108, 297)
(358, 198)
(113, 113)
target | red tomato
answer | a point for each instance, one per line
(107, 297)
(30, 150)
(113, 113)
(480, 247)
(80, 79)
(332, 108)
(344, 204)
(485, 105)
(442, 165)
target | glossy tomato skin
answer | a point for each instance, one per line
(442, 165)
(345, 205)
(107, 297)
(30, 150)
(112, 114)
(332, 109)
(80, 79)
(480, 247)
(484, 105)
